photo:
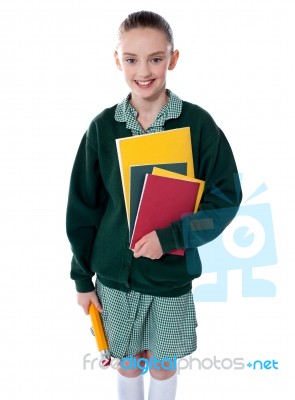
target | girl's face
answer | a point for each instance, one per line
(144, 55)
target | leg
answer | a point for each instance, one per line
(130, 381)
(163, 382)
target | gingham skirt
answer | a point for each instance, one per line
(134, 322)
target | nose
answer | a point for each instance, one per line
(144, 70)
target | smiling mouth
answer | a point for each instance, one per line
(145, 84)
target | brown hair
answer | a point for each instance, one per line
(146, 19)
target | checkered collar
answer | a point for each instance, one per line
(125, 112)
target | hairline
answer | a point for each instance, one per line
(121, 33)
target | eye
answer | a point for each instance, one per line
(156, 60)
(130, 60)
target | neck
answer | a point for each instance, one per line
(149, 107)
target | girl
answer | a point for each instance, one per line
(144, 296)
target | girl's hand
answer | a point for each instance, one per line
(85, 299)
(148, 246)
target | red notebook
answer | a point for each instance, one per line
(163, 200)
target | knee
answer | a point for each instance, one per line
(130, 370)
(163, 371)
(162, 374)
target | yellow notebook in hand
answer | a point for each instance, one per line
(164, 172)
(169, 146)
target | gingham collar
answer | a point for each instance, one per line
(125, 112)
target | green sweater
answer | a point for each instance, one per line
(96, 218)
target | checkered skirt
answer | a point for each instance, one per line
(134, 322)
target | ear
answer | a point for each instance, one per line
(116, 55)
(174, 59)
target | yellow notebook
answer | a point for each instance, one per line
(170, 146)
(170, 174)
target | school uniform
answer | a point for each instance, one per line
(147, 304)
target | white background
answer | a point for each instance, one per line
(57, 73)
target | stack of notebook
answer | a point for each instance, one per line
(158, 180)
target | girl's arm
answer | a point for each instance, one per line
(220, 202)
(86, 205)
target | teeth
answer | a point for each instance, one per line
(145, 83)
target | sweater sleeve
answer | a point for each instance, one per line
(219, 203)
(86, 205)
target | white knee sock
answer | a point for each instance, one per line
(130, 388)
(164, 390)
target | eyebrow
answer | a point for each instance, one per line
(150, 55)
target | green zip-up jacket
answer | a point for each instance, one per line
(96, 218)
